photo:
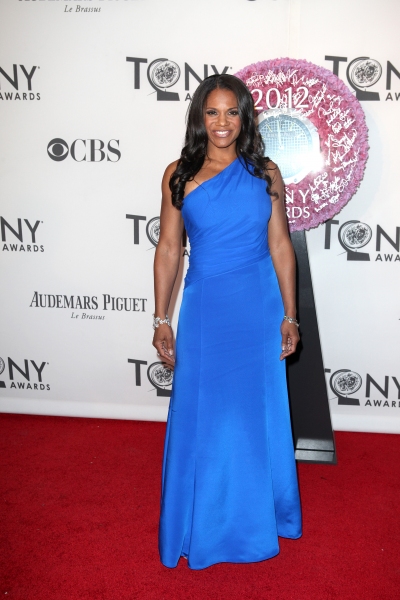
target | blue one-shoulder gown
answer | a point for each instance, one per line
(229, 486)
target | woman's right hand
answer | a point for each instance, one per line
(163, 342)
(166, 265)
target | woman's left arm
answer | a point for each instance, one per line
(282, 255)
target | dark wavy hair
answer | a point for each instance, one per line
(249, 145)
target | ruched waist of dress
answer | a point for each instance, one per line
(197, 272)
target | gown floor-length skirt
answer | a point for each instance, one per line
(229, 484)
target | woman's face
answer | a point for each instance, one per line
(221, 118)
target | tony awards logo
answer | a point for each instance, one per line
(354, 235)
(362, 73)
(153, 230)
(162, 74)
(2, 367)
(161, 377)
(344, 383)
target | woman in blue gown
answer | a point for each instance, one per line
(229, 485)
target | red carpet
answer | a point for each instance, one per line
(80, 499)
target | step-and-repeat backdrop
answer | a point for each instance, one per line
(93, 99)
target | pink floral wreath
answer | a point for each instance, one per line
(339, 120)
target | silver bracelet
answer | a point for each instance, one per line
(157, 321)
(291, 320)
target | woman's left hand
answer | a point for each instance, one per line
(290, 338)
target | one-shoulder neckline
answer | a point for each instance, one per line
(211, 178)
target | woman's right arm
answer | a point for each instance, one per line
(166, 265)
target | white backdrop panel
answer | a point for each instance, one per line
(87, 92)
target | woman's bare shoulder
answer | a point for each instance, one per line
(171, 168)
(272, 170)
(277, 185)
(168, 172)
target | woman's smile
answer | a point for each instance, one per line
(222, 133)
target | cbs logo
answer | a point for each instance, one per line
(84, 150)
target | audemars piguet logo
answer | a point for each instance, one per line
(86, 306)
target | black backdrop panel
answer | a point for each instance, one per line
(311, 421)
